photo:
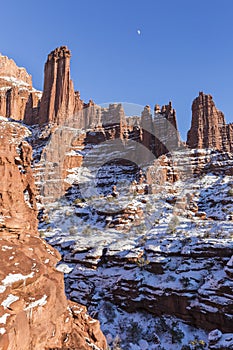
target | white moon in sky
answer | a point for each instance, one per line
(139, 32)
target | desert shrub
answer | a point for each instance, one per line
(161, 325)
(87, 230)
(142, 241)
(197, 344)
(42, 234)
(134, 332)
(172, 226)
(170, 278)
(46, 220)
(185, 281)
(230, 192)
(116, 343)
(78, 201)
(73, 230)
(176, 333)
(109, 311)
(142, 263)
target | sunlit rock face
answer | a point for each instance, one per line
(209, 128)
(58, 99)
(34, 311)
(18, 99)
(17, 188)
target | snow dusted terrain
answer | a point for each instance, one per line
(153, 262)
(167, 267)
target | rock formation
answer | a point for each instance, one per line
(148, 137)
(167, 137)
(181, 265)
(34, 312)
(159, 133)
(18, 99)
(176, 257)
(11, 72)
(209, 128)
(17, 189)
(58, 99)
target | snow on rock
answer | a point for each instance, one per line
(163, 263)
(40, 302)
(37, 319)
(64, 268)
(12, 278)
(3, 318)
(9, 300)
(2, 330)
(220, 341)
(214, 335)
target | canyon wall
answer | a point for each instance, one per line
(34, 312)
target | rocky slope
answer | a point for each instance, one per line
(175, 261)
(34, 312)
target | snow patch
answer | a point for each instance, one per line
(2, 330)
(4, 318)
(9, 300)
(40, 302)
(12, 278)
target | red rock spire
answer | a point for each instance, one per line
(209, 128)
(58, 99)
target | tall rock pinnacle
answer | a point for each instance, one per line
(58, 99)
(209, 128)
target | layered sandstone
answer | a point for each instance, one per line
(147, 128)
(34, 312)
(58, 99)
(18, 99)
(186, 164)
(160, 133)
(167, 137)
(8, 68)
(17, 189)
(209, 128)
(109, 132)
(179, 264)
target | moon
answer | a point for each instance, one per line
(139, 32)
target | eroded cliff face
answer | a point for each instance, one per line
(176, 257)
(160, 133)
(17, 189)
(58, 99)
(18, 99)
(209, 128)
(60, 112)
(34, 312)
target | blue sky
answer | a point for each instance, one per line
(185, 47)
